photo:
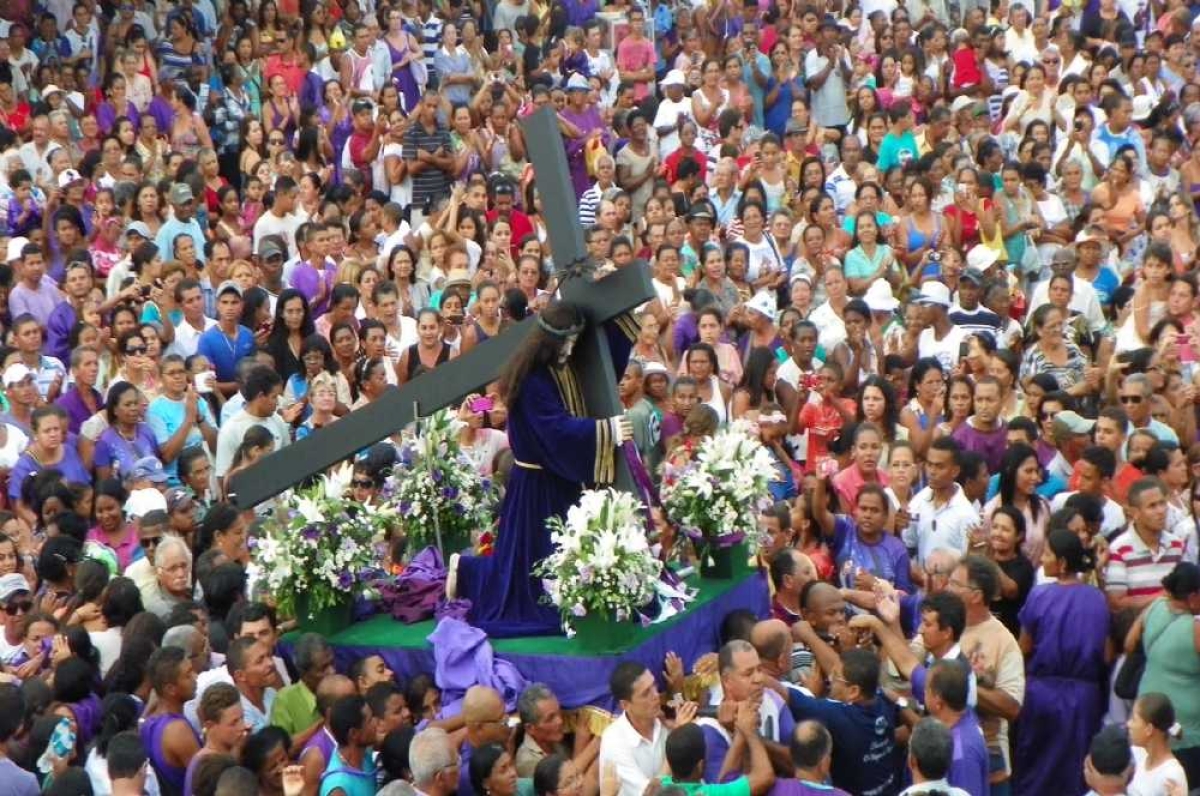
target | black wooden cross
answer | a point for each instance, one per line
(600, 301)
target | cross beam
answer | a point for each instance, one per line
(600, 301)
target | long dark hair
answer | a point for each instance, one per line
(755, 374)
(279, 330)
(540, 348)
(1010, 465)
(891, 412)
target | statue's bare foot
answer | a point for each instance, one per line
(452, 577)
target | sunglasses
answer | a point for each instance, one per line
(136, 350)
(151, 541)
(362, 483)
(19, 607)
(1131, 399)
(275, 142)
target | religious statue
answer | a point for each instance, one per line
(558, 449)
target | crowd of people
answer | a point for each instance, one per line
(942, 256)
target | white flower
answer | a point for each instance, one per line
(310, 510)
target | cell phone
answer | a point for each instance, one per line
(145, 291)
(964, 348)
(484, 404)
(455, 320)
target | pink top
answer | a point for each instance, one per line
(634, 56)
(849, 482)
(128, 549)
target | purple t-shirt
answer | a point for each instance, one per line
(307, 280)
(969, 768)
(886, 559)
(988, 444)
(113, 450)
(797, 787)
(76, 409)
(16, 781)
(71, 466)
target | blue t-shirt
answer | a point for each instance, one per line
(887, 559)
(164, 417)
(896, 150)
(757, 92)
(223, 353)
(864, 757)
(1105, 283)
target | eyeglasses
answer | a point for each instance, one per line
(1051, 61)
(151, 541)
(19, 607)
(136, 351)
(275, 141)
(362, 483)
(1131, 399)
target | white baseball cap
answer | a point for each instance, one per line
(934, 293)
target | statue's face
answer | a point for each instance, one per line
(568, 347)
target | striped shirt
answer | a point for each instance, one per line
(1137, 570)
(431, 40)
(589, 205)
(432, 182)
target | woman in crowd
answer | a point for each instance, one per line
(1064, 632)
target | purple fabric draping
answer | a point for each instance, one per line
(418, 589)
(464, 657)
(580, 680)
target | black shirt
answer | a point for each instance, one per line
(1007, 608)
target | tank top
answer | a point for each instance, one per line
(717, 402)
(170, 777)
(917, 238)
(414, 359)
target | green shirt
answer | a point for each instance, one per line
(295, 709)
(737, 787)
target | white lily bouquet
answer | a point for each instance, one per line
(602, 565)
(320, 547)
(436, 491)
(717, 497)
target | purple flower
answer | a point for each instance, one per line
(345, 581)
(450, 492)
(311, 532)
(578, 610)
(459, 509)
(405, 507)
(645, 620)
(436, 475)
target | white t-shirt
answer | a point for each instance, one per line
(270, 224)
(668, 113)
(14, 445)
(763, 257)
(1151, 782)
(187, 337)
(945, 350)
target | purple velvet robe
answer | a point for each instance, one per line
(557, 448)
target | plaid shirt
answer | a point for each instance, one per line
(227, 121)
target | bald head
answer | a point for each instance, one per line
(483, 713)
(331, 689)
(773, 640)
(823, 607)
(481, 704)
(805, 568)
